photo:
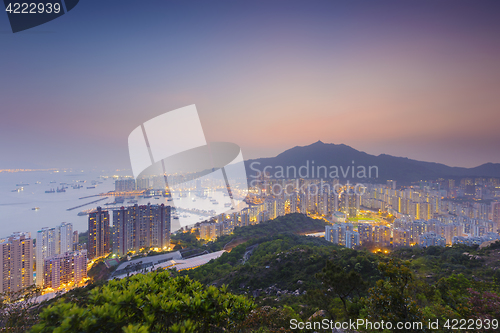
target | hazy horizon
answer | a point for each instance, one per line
(417, 79)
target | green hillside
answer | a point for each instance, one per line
(275, 276)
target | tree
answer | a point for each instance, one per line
(392, 299)
(337, 281)
(153, 302)
(485, 305)
(16, 313)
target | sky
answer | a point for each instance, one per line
(419, 79)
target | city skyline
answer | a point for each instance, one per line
(265, 76)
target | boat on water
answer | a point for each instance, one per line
(19, 189)
(22, 184)
(215, 202)
(90, 187)
(53, 182)
(227, 204)
(35, 208)
(62, 189)
(133, 201)
(82, 213)
(175, 217)
(37, 182)
(51, 191)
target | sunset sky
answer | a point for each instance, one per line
(419, 79)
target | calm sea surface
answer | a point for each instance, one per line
(16, 213)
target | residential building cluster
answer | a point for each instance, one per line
(52, 255)
(58, 263)
(134, 228)
(139, 227)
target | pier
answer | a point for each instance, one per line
(85, 204)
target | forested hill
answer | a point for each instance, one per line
(289, 224)
(276, 276)
(310, 274)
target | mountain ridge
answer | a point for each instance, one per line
(332, 155)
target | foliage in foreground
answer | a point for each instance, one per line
(15, 309)
(153, 302)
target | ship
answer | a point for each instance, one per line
(227, 204)
(215, 202)
(22, 184)
(89, 187)
(60, 190)
(35, 208)
(51, 191)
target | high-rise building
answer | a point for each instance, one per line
(208, 230)
(98, 243)
(401, 237)
(431, 239)
(16, 262)
(365, 233)
(65, 231)
(140, 227)
(66, 268)
(76, 240)
(351, 239)
(142, 184)
(338, 234)
(46, 241)
(495, 210)
(124, 185)
(49, 242)
(381, 235)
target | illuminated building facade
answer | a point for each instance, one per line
(63, 269)
(16, 262)
(98, 243)
(52, 241)
(144, 226)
